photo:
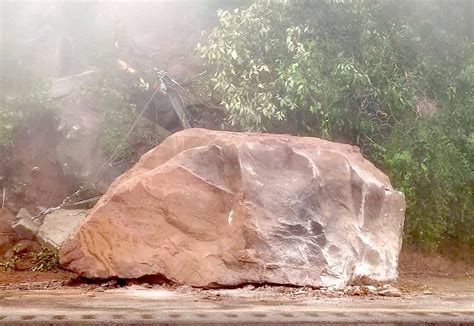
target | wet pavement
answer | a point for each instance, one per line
(138, 305)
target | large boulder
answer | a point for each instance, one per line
(212, 208)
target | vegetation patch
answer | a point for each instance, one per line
(43, 259)
(393, 77)
(21, 109)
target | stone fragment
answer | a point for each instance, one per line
(357, 290)
(212, 208)
(58, 225)
(370, 289)
(24, 226)
(24, 265)
(390, 291)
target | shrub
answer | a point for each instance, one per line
(393, 77)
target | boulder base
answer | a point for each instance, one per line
(213, 208)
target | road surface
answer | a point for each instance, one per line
(140, 305)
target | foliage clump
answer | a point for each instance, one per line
(10, 263)
(393, 77)
(44, 259)
(22, 109)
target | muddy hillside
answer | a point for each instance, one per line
(70, 134)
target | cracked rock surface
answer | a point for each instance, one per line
(214, 208)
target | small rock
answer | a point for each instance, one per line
(24, 265)
(249, 287)
(23, 213)
(99, 289)
(146, 285)
(364, 280)
(24, 226)
(356, 290)
(370, 289)
(110, 283)
(390, 291)
(428, 292)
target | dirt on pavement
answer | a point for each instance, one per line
(413, 264)
(422, 273)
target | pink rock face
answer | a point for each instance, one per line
(213, 208)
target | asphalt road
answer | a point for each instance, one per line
(138, 305)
